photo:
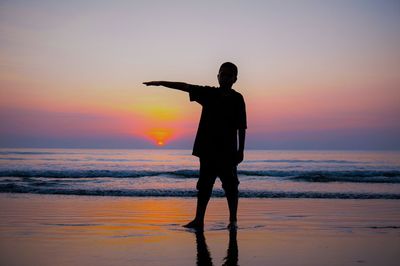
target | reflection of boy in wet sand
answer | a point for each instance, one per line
(204, 256)
(222, 122)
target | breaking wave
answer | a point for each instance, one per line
(15, 188)
(357, 176)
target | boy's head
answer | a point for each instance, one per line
(227, 75)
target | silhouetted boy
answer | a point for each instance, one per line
(222, 123)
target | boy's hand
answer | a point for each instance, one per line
(239, 157)
(152, 83)
(169, 84)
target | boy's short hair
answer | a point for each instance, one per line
(231, 66)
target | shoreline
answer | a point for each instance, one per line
(217, 193)
(109, 230)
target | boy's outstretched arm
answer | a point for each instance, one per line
(169, 84)
(240, 152)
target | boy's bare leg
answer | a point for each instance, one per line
(232, 198)
(203, 197)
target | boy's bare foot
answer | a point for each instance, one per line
(232, 226)
(194, 224)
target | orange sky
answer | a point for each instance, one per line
(71, 73)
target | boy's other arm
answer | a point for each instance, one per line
(169, 84)
(240, 152)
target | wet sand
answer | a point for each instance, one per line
(89, 230)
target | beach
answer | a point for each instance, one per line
(109, 109)
(107, 230)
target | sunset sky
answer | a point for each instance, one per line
(314, 74)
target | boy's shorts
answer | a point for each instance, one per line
(210, 169)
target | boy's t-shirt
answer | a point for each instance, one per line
(223, 113)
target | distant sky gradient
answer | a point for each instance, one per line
(314, 74)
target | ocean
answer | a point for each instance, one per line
(174, 173)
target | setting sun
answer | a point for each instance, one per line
(160, 136)
(160, 143)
